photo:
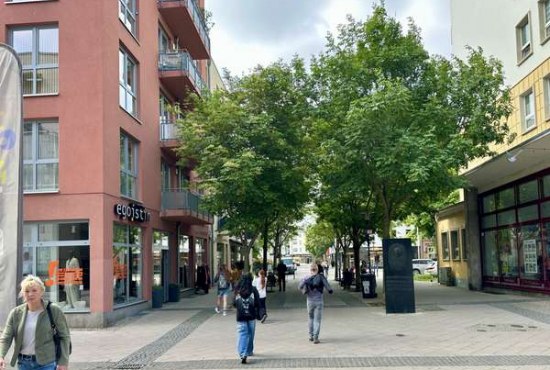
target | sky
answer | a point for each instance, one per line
(251, 32)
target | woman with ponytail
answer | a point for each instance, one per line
(260, 282)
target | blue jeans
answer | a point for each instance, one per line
(245, 331)
(315, 313)
(33, 365)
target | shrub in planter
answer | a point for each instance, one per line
(158, 296)
(174, 292)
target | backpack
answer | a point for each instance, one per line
(316, 283)
(248, 308)
(222, 282)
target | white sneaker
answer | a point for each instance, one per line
(224, 313)
(217, 310)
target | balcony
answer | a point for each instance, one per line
(183, 206)
(169, 137)
(180, 75)
(185, 19)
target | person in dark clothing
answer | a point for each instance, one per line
(320, 269)
(281, 274)
(247, 304)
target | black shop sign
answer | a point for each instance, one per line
(132, 212)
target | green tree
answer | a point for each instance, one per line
(319, 237)
(249, 147)
(405, 122)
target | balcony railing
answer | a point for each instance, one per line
(168, 131)
(181, 61)
(181, 199)
(198, 19)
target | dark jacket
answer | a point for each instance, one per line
(247, 306)
(281, 269)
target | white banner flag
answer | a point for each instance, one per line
(11, 198)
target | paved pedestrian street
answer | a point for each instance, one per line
(452, 329)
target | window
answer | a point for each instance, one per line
(505, 198)
(184, 267)
(445, 246)
(490, 262)
(164, 41)
(530, 252)
(528, 110)
(464, 245)
(523, 35)
(508, 253)
(59, 253)
(127, 264)
(38, 49)
(528, 191)
(40, 156)
(546, 85)
(489, 203)
(544, 14)
(546, 185)
(127, 14)
(128, 167)
(165, 175)
(160, 244)
(128, 82)
(455, 247)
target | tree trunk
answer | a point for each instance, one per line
(356, 246)
(245, 252)
(266, 236)
(386, 231)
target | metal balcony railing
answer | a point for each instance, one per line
(181, 61)
(168, 131)
(182, 199)
(198, 19)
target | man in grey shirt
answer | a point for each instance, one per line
(312, 286)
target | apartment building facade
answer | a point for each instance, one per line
(498, 236)
(108, 211)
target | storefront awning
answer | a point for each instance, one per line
(528, 157)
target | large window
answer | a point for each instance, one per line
(530, 252)
(40, 156)
(544, 12)
(490, 262)
(127, 264)
(508, 253)
(128, 167)
(445, 246)
(38, 48)
(59, 253)
(165, 175)
(160, 248)
(528, 120)
(127, 69)
(183, 261)
(523, 35)
(127, 13)
(455, 247)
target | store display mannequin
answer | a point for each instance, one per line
(72, 289)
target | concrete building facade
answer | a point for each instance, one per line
(108, 211)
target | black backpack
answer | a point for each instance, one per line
(248, 308)
(316, 283)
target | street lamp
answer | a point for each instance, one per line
(367, 237)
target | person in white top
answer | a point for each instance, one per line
(260, 283)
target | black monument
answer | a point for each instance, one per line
(398, 276)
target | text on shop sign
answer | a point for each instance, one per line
(61, 276)
(133, 212)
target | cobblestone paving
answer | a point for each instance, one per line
(525, 312)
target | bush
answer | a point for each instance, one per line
(424, 277)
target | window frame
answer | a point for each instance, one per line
(124, 14)
(546, 90)
(445, 246)
(124, 169)
(452, 247)
(132, 90)
(522, 46)
(544, 10)
(35, 161)
(34, 56)
(523, 109)
(128, 247)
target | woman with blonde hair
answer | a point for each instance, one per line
(260, 283)
(40, 330)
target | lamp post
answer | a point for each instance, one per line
(367, 238)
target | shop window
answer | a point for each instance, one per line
(530, 252)
(489, 221)
(546, 185)
(528, 213)
(490, 262)
(160, 244)
(488, 203)
(528, 191)
(464, 245)
(445, 246)
(59, 253)
(455, 247)
(127, 264)
(505, 198)
(545, 208)
(508, 253)
(546, 241)
(183, 251)
(507, 218)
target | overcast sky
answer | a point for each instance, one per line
(251, 32)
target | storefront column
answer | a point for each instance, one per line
(473, 237)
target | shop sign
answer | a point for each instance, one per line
(63, 276)
(132, 212)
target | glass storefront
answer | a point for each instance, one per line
(127, 264)
(160, 248)
(183, 262)
(59, 253)
(515, 223)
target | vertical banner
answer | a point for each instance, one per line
(11, 197)
(398, 276)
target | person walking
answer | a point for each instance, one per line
(260, 283)
(247, 304)
(313, 285)
(376, 263)
(223, 283)
(31, 326)
(281, 275)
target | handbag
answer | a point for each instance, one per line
(56, 337)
